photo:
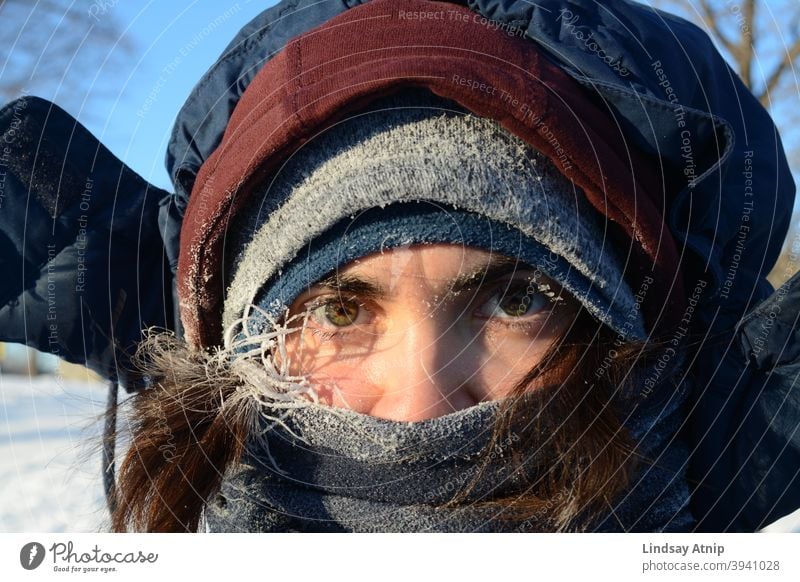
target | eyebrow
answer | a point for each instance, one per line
(353, 285)
(494, 269)
(497, 266)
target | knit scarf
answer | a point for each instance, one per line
(326, 469)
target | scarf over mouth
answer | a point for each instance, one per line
(327, 469)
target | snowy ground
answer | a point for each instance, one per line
(49, 455)
(50, 478)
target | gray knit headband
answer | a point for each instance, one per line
(418, 147)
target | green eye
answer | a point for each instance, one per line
(339, 313)
(517, 302)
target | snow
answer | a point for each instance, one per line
(50, 457)
(788, 523)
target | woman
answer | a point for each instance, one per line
(429, 304)
(434, 276)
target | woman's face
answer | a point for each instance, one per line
(422, 331)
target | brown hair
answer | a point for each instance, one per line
(586, 376)
(192, 425)
(183, 432)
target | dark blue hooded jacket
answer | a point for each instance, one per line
(89, 250)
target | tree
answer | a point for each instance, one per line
(54, 48)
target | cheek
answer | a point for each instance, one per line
(342, 382)
(508, 355)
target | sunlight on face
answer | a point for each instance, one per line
(422, 331)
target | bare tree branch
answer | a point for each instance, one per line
(50, 46)
(779, 71)
(746, 46)
(710, 19)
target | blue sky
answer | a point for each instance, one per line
(175, 43)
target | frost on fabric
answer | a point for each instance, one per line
(260, 360)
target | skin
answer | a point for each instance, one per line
(422, 331)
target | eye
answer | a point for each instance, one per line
(336, 312)
(514, 300)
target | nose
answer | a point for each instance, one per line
(425, 373)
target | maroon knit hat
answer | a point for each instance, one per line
(373, 50)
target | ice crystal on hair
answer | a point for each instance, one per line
(259, 358)
(253, 356)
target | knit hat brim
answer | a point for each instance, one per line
(405, 151)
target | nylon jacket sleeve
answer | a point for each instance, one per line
(82, 259)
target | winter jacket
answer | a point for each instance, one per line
(91, 250)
